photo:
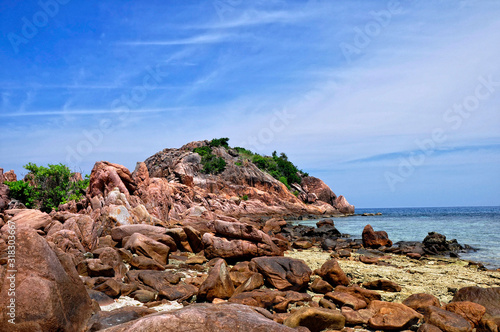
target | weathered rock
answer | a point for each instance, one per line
(196, 260)
(382, 284)
(194, 238)
(145, 263)
(375, 239)
(34, 219)
(4, 196)
(368, 259)
(263, 298)
(346, 299)
(471, 311)
(110, 287)
(106, 319)
(302, 244)
(320, 286)
(62, 303)
(284, 273)
(120, 232)
(143, 296)
(101, 298)
(392, 316)
(110, 256)
(239, 277)
(218, 283)
(361, 293)
(96, 268)
(356, 317)
(446, 321)
(256, 280)
(204, 318)
(343, 206)
(106, 176)
(236, 249)
(66, 240)
(489, 298)
(331, 272)
(426, 327)
(145, 246)
(420, 301)
(316, 319)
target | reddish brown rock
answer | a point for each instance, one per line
(205, 318)
(66, 240)
(105, 319)
(325, 222)
(145, 263)
(320, 286)
(110, 256)
(368, 260)
(361, 293)
(331, 272)
(302, 244)
(316, 319)
(420, 301)
(218, 283)
(274, 225)
(106, 176)
(446, 321)
(343, 205)
(489, 298)
(194, 238)
(110, 287)
(382, 284)
(96, 268)
(145, 246)
(256, 280)
(392, 316)
(471, 311)
(375, 239)
(426, 327)
(239, 277)
(357, 317)
(316, 186)
(236, 249)
(263, 298)
(120, 232)
(4, 196)
(346, 299)
(34, 219)
(284, 273)
(62, 303)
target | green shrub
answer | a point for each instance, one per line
(244, 197)
(23, 192)
(238, 163)
(283, 180)
(213, 165)
(203, 151)
(52, 187)
(219, 142)
(296, 193)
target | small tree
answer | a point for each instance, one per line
(47, 187)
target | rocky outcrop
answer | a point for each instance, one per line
(284, 273)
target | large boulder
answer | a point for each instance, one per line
(216, 246)
(375, 239)
(331, 272)
(392, 316)
(34, 219)
(218, 283)
(106, 176)
(204, 318)
(49, 295)
(420, 301)
(343, 205)
(447, 321)
(489, 298)
(284, 273)
(4, 196)
(471, 311)
(316, 186)
(145, 246)
(316, 319)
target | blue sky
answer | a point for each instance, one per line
(391, 103)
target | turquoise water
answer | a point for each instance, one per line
(478, 227)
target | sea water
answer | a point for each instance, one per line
(478, 227)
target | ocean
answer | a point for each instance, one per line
(478, 227)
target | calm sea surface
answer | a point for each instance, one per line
(478, 227)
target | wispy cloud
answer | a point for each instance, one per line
(194, 40)
(90, 112)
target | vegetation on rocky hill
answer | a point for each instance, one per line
(278, 166)
(46, 188)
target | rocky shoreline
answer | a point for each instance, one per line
(168, 247)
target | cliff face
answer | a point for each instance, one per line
(226, 193)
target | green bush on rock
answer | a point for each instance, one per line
(47, 187)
